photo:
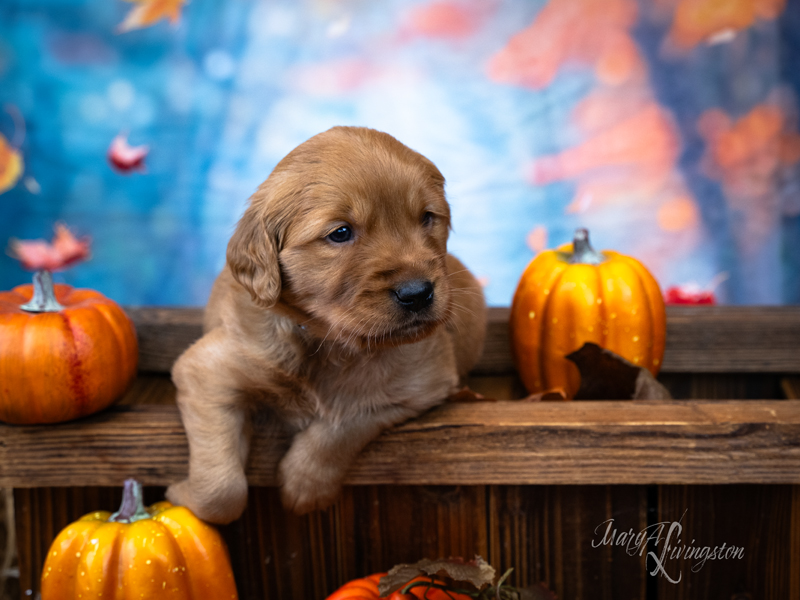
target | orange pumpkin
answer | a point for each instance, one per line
(65, 362)
(366, 588)
(573, 295)
(162, 551)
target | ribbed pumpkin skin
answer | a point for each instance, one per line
(171, 556)
(58, 366)
(559, 306)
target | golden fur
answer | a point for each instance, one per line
(314, 330)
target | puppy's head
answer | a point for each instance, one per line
(348, 236)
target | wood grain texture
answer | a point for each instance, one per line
(700, 339)
(552, 534)
(455, 444)
(761, 520)
(164, 333)
(544, 533)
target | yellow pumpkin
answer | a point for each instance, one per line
(573, 295)
(162, 551)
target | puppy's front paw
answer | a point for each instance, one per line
(216, 504)
(307, 484)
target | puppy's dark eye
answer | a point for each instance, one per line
(427, 218)
(341, 235)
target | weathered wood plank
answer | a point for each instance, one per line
(700, 339)
(470, 444)
(549, 534)
(756, 519)
(721, 339)
(164, 333)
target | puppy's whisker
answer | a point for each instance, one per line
(457, 272)
(463, 309)
(370, 337)
(465, 292)
(353, 332)
(334, 324)
(337, 339)
(456, 308)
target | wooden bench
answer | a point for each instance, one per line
(526, 485)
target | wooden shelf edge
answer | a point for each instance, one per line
(677, 442)
(700, 339)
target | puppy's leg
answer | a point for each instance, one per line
(313, 469)
(215, 421)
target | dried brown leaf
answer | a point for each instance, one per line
(397, 577)
(649, 388)
(456, 572)
(607, 376)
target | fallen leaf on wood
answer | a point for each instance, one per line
(455, 572)
(607, 376)
(649, 388)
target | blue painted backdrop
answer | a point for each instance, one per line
(672, 135)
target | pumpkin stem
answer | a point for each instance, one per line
(44, 295)
(132, 507)
(582, 251)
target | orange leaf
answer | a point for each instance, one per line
(10, 165)
(149, 12)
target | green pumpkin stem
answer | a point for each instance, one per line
(44, 295)
(582, 251)
(132, 507)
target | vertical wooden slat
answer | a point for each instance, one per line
(25, 537)
(794, 544)
(758, 519)
(546, 532)
(370, 529)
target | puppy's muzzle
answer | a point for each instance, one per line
(415, 295)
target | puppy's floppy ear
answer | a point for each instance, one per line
(253, 258)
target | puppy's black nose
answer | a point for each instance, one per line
(414, 295)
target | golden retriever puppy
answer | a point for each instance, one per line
(339, 310)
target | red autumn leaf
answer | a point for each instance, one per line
(64, 251)
(124, 157)
(687, 294)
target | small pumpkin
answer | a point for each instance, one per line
(573, 295)
(64, 353)
(162, 551)
(366, 588)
